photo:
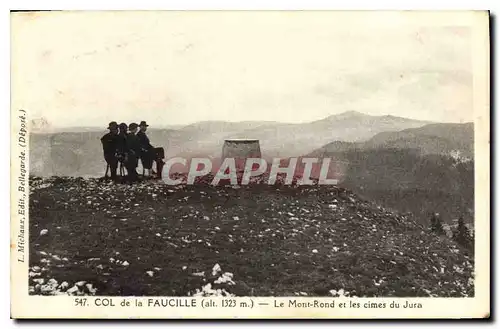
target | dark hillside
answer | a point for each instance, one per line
(89, 237)
(406, 181)
(419, 170)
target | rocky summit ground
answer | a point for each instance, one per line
(89, 237)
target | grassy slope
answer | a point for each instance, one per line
(278, 241)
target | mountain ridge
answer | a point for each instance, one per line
(442, 137)
(345, 114)
(421, 170)
(80, 153)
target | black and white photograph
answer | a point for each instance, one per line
(325, 157)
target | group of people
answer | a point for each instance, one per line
(126, 145)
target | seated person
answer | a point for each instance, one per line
(133, 152)
(110, 148)
(122, 143)
(149, 153)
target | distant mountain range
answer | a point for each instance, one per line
(298, 139)
(438, 138)
(419, 170)
(79, 152)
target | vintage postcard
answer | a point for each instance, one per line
(250, 164)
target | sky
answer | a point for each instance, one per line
(89, 68)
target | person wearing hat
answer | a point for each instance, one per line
(122, 142)
(110, 144)
(150, 153)
(133, 152)
(123, 128)
(147, 150)
(123, 136)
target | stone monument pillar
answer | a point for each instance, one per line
(240, 150)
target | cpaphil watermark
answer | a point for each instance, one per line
(294, 172)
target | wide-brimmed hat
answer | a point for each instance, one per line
(143, 123)
(123, 126)
(112, 124)
(133, 125)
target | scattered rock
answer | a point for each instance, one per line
(216, 269)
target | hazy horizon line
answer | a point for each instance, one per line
(352, 112)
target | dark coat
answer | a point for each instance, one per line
(110, 144)
(133, 144)
(122, 144)
(144, 141)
